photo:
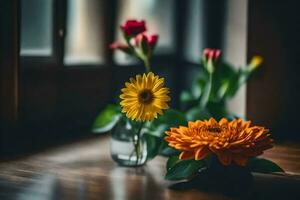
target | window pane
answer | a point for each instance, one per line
(36, 27)
(84, 39)
(159, 15)
(194, 38)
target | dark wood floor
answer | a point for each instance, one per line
(84, 170)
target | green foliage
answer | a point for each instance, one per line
(153, 144)
(170, 118)
(197, 113)
(172, 161)
(157, 128)
(263, 166)
(166, 150)
(207, 89)
(187, 97)
(216, 83)
(106, 119)
(183, 169)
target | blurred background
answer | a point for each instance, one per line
(57, 71)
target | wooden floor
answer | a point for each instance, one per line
(84, 170)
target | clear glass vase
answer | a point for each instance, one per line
(127, 147)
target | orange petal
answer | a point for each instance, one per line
(201, 153)
(223, 121)
(187, 155)
(225, 159)
(242, 161)
(212, 122)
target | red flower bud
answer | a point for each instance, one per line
(146, 42)
(120, 46)
(149, 40)
(133, 27)
(152, 40)
(213, 54)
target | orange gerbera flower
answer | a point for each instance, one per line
(232, 141)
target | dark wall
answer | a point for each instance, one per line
(9, 102)
(274, 94)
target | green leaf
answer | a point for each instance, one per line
(223, 79)
(172, 118)
(159, 130)
(168, 151)
(184, 169)
(172, 161)
(223, 89)
(237, 79)
(153, 144)
(218, 110)
(206, 92)
(128, 51)
(197, 89)
(107, 119)
(233, 86)
(262, 165)
(196, 113)
(186, 97)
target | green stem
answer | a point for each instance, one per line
(207, 92)
(139, 53)
(137, 143)
(143, 57)
(147, 64)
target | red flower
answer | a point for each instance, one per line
(213, 54)
(148, 40)
(133, 27)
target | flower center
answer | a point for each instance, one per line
(145, 96)
(214, 130)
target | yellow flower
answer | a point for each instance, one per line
(144, 97)
(233, 141)
(256, 61)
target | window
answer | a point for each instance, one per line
(193, 42)
(85, 35)
(64, 76)
(36, 27)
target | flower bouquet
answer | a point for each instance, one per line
(203, 147)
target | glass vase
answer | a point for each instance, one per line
(127, 147)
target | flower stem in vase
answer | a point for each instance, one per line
(136, 139)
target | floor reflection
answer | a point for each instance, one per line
(86, 171)
(133, 184)
(42, 188)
